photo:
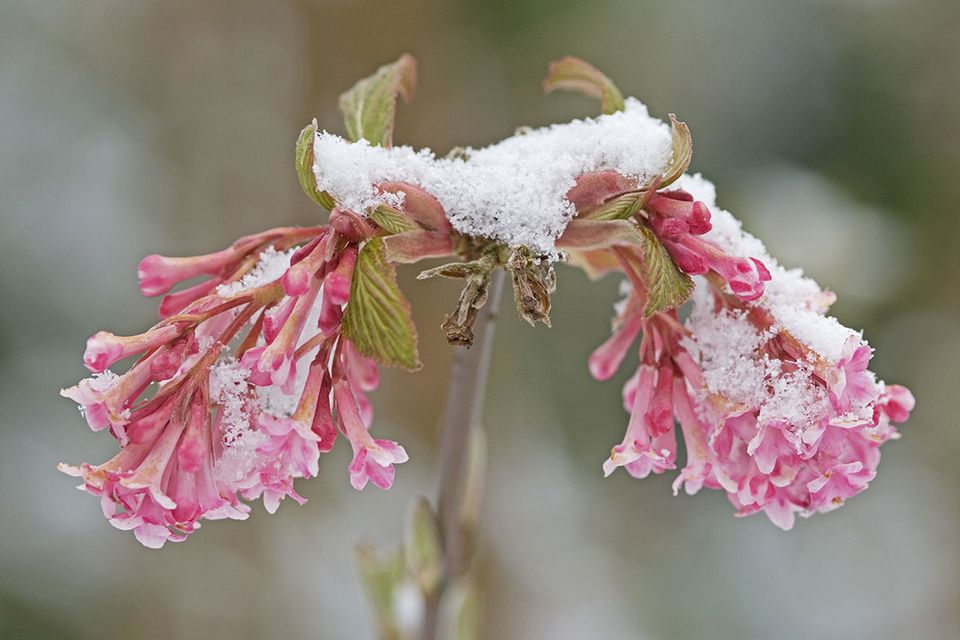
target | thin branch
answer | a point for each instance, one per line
(468, 384)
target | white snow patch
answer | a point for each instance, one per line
(229, 389)
(270, 267)
(512, 191)
(795, 301)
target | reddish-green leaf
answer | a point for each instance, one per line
(377, 319)
(682, 152)
(370, 105)
(574, 74)
(667, 286)
(304, 162)
(391, 220)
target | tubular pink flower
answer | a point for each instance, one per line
(363, 371)
(897, 402)
(157, 274)
(373, 460)
(746, 276)
(296, 279)
(104, 348)
(687, 260)
(606, 359)
(643, 450)
(678, 205)
(851, 383)
(291, 441)
(323, 423)
(352, 226)
(174, 303)
(336, 284)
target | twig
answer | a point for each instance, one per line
(468, 384)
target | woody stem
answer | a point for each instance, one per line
(465, 396)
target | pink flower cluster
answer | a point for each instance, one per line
(774, 400)
(239, 388)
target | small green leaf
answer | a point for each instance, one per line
(620, 207)
(575, 74)
(423, 548)
(377, 319)
(682, 145)
(667, 286)
(391, 220)
(370, 105)
(460, 612)
(304, 164)
(382, 575)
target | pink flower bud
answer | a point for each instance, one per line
(331, 315)
(158, 273)
(105, 348)
(352, 226)
(173, 303)
(336, 284)
(680, 205)
(296, 280)
(606, 359)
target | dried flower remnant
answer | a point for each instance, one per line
(265, 352)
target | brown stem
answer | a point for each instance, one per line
(468, 383)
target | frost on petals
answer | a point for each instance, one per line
(774, 399)
(230, 399)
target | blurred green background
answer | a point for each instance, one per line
(831, 127)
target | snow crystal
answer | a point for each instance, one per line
(796, 400)
(103, 381)
(228, 388)
(271, 266)
(727, 347)
(512, 191)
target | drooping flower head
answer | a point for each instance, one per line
(265, 351)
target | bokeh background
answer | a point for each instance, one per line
(831, 127)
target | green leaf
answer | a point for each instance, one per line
(304, 164)
(682, 144)
(620, 207)
(370, 105)
(391, 220)
(423, 548)
(574, 74)
(377, 319)
(460, 612)
(667, 286)
(382, 575)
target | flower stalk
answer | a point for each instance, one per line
(464, 408)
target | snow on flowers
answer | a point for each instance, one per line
(265, 352)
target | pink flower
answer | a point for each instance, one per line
(647, 446)
(104, 348)
(850, 382)
(679, 206)
(177, 466)
(745, 276)
(373, 460)
(293, 441)
(778, 427)
(157, 274)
